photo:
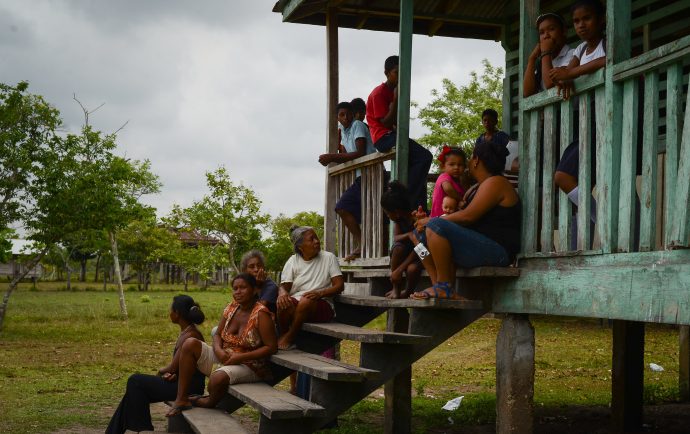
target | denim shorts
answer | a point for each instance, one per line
(470, 248)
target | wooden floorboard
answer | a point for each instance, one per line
(274, 403)
(430, 303)
(348, 332)
(321, 367)
(462, 272)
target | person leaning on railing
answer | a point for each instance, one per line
(486, 232)
(550, 52)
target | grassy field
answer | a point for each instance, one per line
(65, 358)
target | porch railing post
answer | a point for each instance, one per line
(329, 223)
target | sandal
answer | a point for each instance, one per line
(176, 410)
(441, 290)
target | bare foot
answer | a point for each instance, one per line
(353, 255)
(393, 293)
(202, 401)
(405, 294)
(284, 343)
(178, 407)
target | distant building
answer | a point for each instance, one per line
(20, 250)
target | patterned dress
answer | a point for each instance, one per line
(249, 338)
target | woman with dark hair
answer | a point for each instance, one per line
(245, 340)
(254, 263)
(133, 413)
(486, 232)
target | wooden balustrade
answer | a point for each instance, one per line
(652, 209)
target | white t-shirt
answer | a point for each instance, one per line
(581, 52)
(562, 60)
(308, 275)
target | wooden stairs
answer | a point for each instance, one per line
(415, 327)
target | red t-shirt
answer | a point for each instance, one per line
(378, 103)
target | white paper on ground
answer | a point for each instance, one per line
(656, 368)
(453, 404)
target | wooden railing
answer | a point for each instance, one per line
(626, 221)
(374, 237)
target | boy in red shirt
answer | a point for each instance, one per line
(382, 111)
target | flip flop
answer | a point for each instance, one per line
(177, 410)
(194, 398)
(440, 290)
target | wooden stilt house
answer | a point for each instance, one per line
(635, 269)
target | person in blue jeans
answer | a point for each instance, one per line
(382, 111)
(486, 232)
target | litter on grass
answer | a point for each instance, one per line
(656, 368)
(453, 404)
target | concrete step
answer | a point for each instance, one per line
(321, 367)
(352, 333)
(274, 403)
(387, 303)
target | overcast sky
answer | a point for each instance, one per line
(209, 83)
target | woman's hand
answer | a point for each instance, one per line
(315, 294)
(283, 301)
(559, 74)
(260, 277)
(230, 358)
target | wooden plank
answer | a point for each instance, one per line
(564, 204)
(627, 378)
(273, 403)
(356, 288)
(530, 200)
(674, 101)
(646, 286)
(398, 391)
(548, 167)
(653, 59)
(387, 303)
(332, 142)
(383, 261)
(344, 331)
(550, 96)
(461, 272)
(321, 367)
(358, 163)
(659, 14)
(680, 230)
(212, 421)
(684, 363)
(649, 163)
(628, 194)
(584, 221)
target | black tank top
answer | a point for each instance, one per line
(502, 224)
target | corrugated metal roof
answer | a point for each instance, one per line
(453, 18)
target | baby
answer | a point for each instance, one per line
(450, 205)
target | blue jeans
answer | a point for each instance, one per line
(418, 164)
(470, 248)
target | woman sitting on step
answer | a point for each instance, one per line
(486, 232)
(310, 279)
(244, 341)
(133, 413)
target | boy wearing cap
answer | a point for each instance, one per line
(550, 52)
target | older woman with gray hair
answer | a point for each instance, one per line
(254, 263)
(310, 279)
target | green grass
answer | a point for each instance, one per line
(65, 357)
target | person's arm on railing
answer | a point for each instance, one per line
(343, 157)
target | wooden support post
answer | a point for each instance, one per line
(329, 234)
(684, 364)
(627, 379)
(404, 82)
(515, 376)
(398, 391)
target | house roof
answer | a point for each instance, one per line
(454, 18)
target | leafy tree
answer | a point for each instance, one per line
(279, 246)
(454, 115)
(202, 259)
(78, 184)
(230, 213)
(144, 244)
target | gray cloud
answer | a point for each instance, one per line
(210, 83)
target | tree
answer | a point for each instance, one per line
(203, 259)
(278, 245)
(230, 213)
(145, 244)
(78, 184)
(455, 113)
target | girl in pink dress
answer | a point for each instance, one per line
(453, 164)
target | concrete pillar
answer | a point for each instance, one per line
(515, 376)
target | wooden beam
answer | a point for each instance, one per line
(550, 96)
(331, 126)
(398, 391)
(627, 376)
(658, 57)
(404, 84)
(684, 363)
(674, 112)
(648, 287)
